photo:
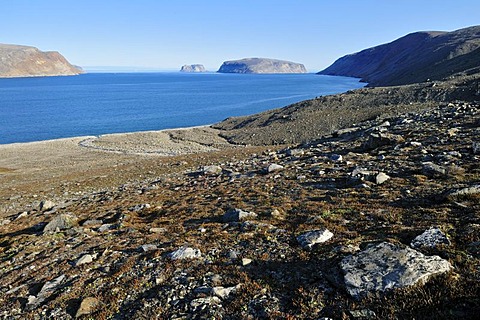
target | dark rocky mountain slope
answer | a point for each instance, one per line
(25, 61)
(261, 65)
(414, 58)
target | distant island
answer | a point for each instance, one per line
(193, 68)
(261, 65)
(416, 57)
(26, 61)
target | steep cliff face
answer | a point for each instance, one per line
(414, 58)
(193, 68)
(25, 61)
(261, 65)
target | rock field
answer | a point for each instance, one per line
(377, 221)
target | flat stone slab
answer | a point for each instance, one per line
(185, 253)
(388, 266)
(308, 239)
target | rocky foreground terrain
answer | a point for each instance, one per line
(26, 61)
(376, 221)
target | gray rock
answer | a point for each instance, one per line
(87, 258)
(237, 215)
(345, 132)
(377, 140)
(88, 306)
(47, 205)
(157, 230)
(362, 173)
(336, 157)
(22, 215)
(140, 207)
(197, 303)
(148, 247)
(60, 222)
(47, 290)
(246, 261)
(294, 152)
(469, 191)
(363, 314)
(105, 227)
(232, 254)
(211, 169)
(308, 239)
(277, 214)
(433, 170)
(430, 238)
(274, 168)
(193, 68)
(93, 222)
(476, 147)
(223, 293)
(381, 178)
(185, 253)
(388, 266)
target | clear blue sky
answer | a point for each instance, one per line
(167, 34)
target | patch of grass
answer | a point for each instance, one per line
(6, 170)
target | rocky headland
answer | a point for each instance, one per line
(414, 58)
(261, 65)
(362, 205)
(193, 68)
(25, 61)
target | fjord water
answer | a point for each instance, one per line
(33, 109)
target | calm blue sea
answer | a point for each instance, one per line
(33, 109)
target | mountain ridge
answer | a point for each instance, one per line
(416, 57)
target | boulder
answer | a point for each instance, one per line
(273, 167)
(60, 222)
(433, 170)
(388, 266)
(377, 140)
(212, 169)
(88, 258)
(381, 178)
(48, 289)
(430, 238)
(185, 253)
(88, 306)
(237, 215)
(308, 239)
(47, 205)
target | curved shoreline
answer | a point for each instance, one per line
(167, 142)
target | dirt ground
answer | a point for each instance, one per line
(65, 168)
